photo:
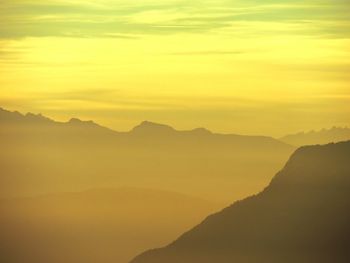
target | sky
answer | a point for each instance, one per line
(268, 67)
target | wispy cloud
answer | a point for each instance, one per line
(208, 53)
(20, 18)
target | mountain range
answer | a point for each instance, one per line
(41, 155)
(302, 216)
(87, 193)
(324, 136)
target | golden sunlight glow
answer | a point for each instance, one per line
(121, 63)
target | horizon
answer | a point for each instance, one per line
(152, 131)
(171, 126)
(249, 67)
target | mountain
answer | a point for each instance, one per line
(324, 136)
(150, 128)
(40, 155)
(302, 216)
(97, 225)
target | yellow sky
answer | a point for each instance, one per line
(231, 66)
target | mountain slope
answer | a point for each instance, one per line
(335, 134)
(302, 216)
(41, 156)
(98, 225)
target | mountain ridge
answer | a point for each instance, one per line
(323, 136)
(144, 126)
(43, 156)
(301, 216)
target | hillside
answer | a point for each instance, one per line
(41, 156)
(324, 136)
(302, 216)
(97, 225)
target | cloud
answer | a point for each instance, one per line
(10, 55)
(207, 53)
(20, 18)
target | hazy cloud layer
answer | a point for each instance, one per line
(21, 18)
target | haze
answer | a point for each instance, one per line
(174, 131)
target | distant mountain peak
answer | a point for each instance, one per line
(152, 127)
(4, 112)
(153, 124)
(77, 121)
(148, 127)
(74, 120)
(35, 116)
(323, 136)
(15, 116)
(201, 131)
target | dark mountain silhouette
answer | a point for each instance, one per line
(97, 225)
(15, 122)
(40, 155)
(335, 134)
(151, 128)
(302, 216)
